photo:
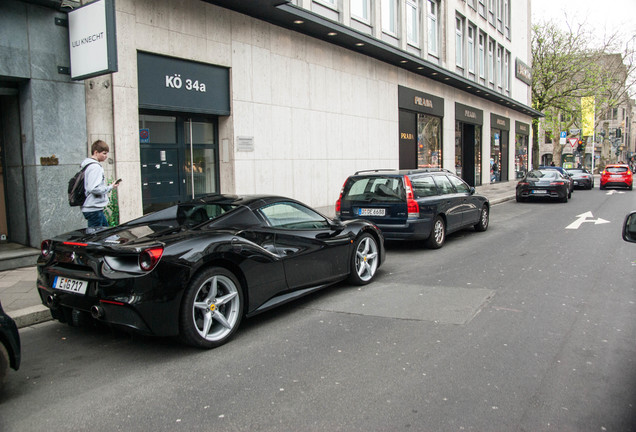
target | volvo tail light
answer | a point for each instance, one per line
(149, 258)
(339, 202)
(413, 209)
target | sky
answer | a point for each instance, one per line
(604, 17)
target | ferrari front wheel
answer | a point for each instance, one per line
(365, 259)
(212, 308)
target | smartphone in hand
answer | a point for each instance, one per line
(118, 181)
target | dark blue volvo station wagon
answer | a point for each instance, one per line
(424, 204)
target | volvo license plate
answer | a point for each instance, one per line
(371, 212)
(70, 285)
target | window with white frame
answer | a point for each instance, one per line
(412, 22)
(507, 72)
(360, 10)
(470, 48)
(506, 17)
(389, 17)
(331, 3)
(499, 11)
(433, 26)
(491, 61)
(482, 55)
(500, 67)
(459, 41)
(471, 3)
(482, 8)
(491, 11)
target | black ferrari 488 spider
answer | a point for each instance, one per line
(197, 268)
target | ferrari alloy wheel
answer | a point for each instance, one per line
(212, 308)
(438, 234)
(364, 261)
(484, 218)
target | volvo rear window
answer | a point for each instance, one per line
(374, 189)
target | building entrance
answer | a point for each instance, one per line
(13, 217)
(179, 158)
(468, 148)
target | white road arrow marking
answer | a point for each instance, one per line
(583, 217)
(612, 192)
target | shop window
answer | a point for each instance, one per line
(429, 141)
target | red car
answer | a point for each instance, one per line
(617, 175)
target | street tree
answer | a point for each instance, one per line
(569, 63)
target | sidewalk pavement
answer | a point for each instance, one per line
(20, 299)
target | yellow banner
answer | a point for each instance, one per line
(587, 114)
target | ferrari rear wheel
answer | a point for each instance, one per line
(365, 260)
(212, 308)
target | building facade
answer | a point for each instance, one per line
(283, 97)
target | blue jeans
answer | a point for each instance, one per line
(96, 218)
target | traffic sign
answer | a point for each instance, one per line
(573, 141)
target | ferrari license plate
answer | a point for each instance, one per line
(371, 212)
(70, 285)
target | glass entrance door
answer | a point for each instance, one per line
(178, 159)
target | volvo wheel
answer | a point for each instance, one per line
(438, 234)
(484, 219)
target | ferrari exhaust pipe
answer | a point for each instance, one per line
(51, 302)
(97, 311)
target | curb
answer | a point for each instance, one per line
(30, 315)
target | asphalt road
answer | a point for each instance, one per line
(529, 326)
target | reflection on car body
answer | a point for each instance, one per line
(195, 269)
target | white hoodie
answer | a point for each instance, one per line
(95, 186)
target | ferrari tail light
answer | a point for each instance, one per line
(46, 248)
(149, 258)
(412, 207)
(339, 202)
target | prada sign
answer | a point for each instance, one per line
(425, 103)
(523, 72)
(498, 122)
(522, 128)
(467, 114)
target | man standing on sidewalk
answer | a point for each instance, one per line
(95, 186)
